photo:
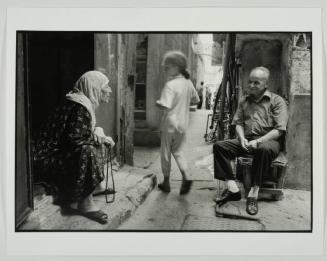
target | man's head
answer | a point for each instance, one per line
(258, 81)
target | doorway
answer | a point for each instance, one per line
(56, 61)
(141, 70)
(48, 64)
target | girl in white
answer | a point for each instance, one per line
(176, 97)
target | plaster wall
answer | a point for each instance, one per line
(105, 60)
(262, 53)
(299, 137)
(114, 55)
(298, 143)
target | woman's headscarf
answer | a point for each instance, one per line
(87, 91)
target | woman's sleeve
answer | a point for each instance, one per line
(78, 127)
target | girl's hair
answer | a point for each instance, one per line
(179, 59)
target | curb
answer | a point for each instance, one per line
(134, 197)
(48, 217)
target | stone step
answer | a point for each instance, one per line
(140, 124)
(132, 185)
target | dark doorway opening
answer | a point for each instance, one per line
(141, 71)
(56, 60)
(48, 64)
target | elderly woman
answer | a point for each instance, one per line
(66, 151)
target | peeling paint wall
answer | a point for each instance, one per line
(301, 71)
(271, 50)
(104, 60)
(129, 99)
(155, 78)
(114, 54)
(298, 144)
(263, 53)
(299, 137)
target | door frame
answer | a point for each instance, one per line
(22, 84)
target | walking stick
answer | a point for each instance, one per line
(107, 190)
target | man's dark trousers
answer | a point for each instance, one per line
(225, 151)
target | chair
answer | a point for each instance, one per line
(273, 182)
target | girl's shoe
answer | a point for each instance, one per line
(186, 186)
(163, 187)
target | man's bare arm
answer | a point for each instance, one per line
(271, 135)
(241, 138)
(240, 132)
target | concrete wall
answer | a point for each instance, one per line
(299, 137)
(114, 54)
(192, 58)
(129, 99)
(272, 50)
(262, 53)
(298, 144)
(105, 59)
(155, 78)
(301, 71)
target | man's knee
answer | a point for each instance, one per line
(219, 146)
(267, 149)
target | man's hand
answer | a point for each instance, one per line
(252, 145)
(244, 143)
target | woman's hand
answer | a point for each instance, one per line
(109, 141)
(99, 136)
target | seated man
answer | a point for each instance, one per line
(260, 120)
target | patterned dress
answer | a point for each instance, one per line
(65, 155)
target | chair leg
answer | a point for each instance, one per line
(246, 180)
(281, 179)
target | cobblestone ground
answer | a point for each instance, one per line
(196, 211)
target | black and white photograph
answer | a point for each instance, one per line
(163, 131)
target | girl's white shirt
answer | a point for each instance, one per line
(177, 96)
